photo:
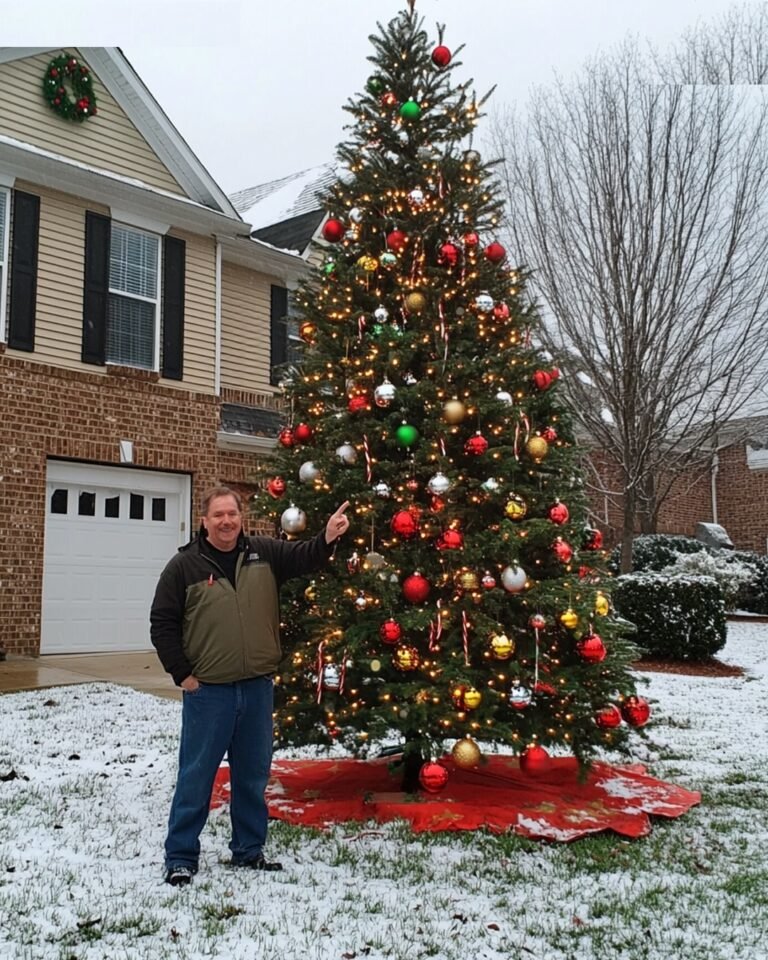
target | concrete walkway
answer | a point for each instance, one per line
(142, 671)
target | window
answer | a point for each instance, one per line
(5, 210)
(294, 343)
(86, 504)
(158, 508)
(136, 510)
(59, 501)
(112, 506)
(134, 295)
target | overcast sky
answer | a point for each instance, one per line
(256, 88)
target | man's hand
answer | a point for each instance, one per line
(190, 684)
(338, 525)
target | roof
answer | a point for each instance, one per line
(293, 234)
(251, 421)
(269, 203)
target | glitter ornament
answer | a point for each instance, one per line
(406, 658)
(404, 525)
(415, 302)
(466, 753)
(537, 448)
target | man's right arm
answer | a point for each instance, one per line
(166, 620)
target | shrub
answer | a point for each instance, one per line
(677, 618)
(654, 551)
(752, 595)
(732, 575)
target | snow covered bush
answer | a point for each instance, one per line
(753, 594)
(654, 551)
(731, 575)
(677, 618)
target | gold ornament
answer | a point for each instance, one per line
(367, 264)
(466, 753)
(406, 658)
(472, 699)
(502, 647)
(308, 331)
(454, 411)
(516, 508)
(537, 448)
(466, 580)
(602, 606)
(415, 302)
(311, 592)
(569, 618)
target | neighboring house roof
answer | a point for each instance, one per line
(251, 421)
(287, 212)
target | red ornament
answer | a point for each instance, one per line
(54, 72)
(495, 252)
(501, 311)
(276, 487)
(441, 56)
(549, 434)
(636, 711)
(541, 687)
(558, 513)
(358, 403)
(412, 484)
(433, 777)
(535, 761)
(488, 582)
(476, 446)
(396, 241)
(437, 504)
(449, 255)
(591, 648)
(286, 438)
(554, 373)
(405, 525)
(416, 588)
(471, 239)
(537, 622)
(608, 717)
(542, 380)
(450, 540)
(593, 539)
(390, 631)
(563, 550)
(388, 99)
(333, 230)
(303, 433)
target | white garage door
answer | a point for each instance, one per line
(109, 531)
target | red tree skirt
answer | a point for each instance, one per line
(496, 795)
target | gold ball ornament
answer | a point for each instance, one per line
(466, 753)
(367, 264)
(454, 412)
(406, 658)
(311, 592)
(472, 698)
(569, 618)
(502, 647)
(466, 580)
(602, 606)
(415, 302)
(516, 508)
(537, 448)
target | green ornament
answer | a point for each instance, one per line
(374, 85)
(406, 435)
(410, 110)
(329, 268)
(388, 259)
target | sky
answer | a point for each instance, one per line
(256, 88)
(86, 776)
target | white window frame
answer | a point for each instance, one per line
(156, 300)
(6, 246)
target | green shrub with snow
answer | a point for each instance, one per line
(732, 575)
(655, 551)
(753, 594)
(677, 618)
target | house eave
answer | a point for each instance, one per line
(241, 443)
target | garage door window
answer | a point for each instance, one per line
(137, 507)
(59, 501)
(86, 504)
(158, 509)
(112, 507)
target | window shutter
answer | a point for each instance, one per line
(26, 224)
(96, 289)
(278, 329)
(174, 253)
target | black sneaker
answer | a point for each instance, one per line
(259, 863)
(179, 876)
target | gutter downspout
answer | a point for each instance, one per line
(217, 327)
(714, 470)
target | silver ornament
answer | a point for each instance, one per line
(356, 215)
(381, 313)
(491, 485)
(519, 697)
(439, 484)
(503, 396)
(347, 454)
(388, 259)
(382, 489)
(374, 561)
(361, 601)
(384, 394)
(484, 302)
(513, 579)
(409, 379)
(416, 197)
(293, 520)
(331, 677)
(308, 472)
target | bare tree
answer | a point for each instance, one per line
(640, 210)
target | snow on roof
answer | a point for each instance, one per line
(270, 203)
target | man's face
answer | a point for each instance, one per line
(223, 522)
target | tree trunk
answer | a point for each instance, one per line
(628, 532)
(413, 760)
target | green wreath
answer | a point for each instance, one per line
(67, 69)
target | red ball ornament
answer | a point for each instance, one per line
(388, 99)
(276, 487)
(635, 711)
(541, 687)
(591, 648)
(537, 622)
(495, 252)
(390, 631)
(416, 588)
(558, 513)
(542, 380)
(433, 777)
(549, 434)
(286, 438)
(449, 255)
(563, 550)
(396, 241)
(471, 239)
(441, 56)
(303, 433)
(535, 761)
(358, 403)
(488, 582)
(593, 539)
(476, 446)
(608, 717)
(554, 373)
(405, 525)
(501, 311)
(333, 230)
(412, 484)
(450, 540)
(437, 504)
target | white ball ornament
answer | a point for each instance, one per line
(308, 472)
(416, 197)
(439, 484)
(331, 677)
(347, 454)
(513, 579)
(491, 485)
(504, 396)
(382, 489)
(484, 303)
(381, 314)
(384, 394)
(519, 697)
(356, 215)
(293, 520)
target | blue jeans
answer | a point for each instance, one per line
(218, 718)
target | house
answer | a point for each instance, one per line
(140, 324)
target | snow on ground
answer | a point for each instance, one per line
(86, 775)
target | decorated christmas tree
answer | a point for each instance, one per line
(468, 605)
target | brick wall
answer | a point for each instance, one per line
(52, 412)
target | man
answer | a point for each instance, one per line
(215, 626)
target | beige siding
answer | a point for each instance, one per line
(61, 253)
(245, 305)
(108, 141)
